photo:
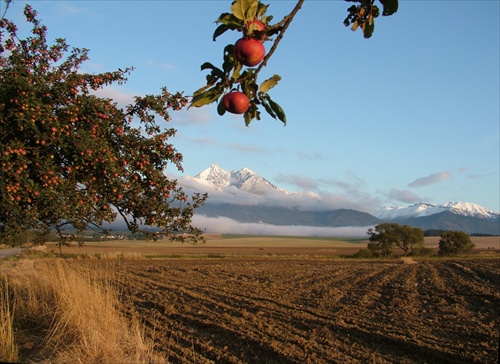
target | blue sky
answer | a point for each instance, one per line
(410, 115)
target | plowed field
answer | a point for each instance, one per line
(315, 311)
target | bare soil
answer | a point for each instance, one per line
(264, 310)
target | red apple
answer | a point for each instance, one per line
(236, 102)
(249, 51)
(256, 29)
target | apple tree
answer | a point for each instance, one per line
(234, 85)
(69, 158)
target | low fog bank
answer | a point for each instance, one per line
(225, 225)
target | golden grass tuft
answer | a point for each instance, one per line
(8, 347)
(64, 314)
(408, 260)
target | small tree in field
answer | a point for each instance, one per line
(382, 239)
(385, 236)
(410, 239)
(69, 158)
(453, 243)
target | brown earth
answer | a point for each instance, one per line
(265, 310)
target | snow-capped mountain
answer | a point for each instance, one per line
(244, 179)
(245, 197)
(427, 209)
(215, 176)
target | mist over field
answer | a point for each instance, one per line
(219, 225)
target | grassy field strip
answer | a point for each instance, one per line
(244, 241)
(487, 242)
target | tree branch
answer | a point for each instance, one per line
(286, 22)
(284, 26)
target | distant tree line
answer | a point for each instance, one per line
(385, 237)
(439, 232)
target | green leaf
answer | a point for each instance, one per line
(368, 28)
(217, 72)
(211, 79)
(245, 9)
(269, 83)
(390, 7)
(248, 116)
(251, 114)
(266, 19)
(221, 29)
(206, 97)
(251, 12)
(268, 108)
(261, 10)
(229, 58)
(249, 87)
(239, 9)
(229, 20)
(221, 109)
(200, 90)
(280, 113)
(207, 65)
(237, 70)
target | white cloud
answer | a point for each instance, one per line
(161, 65)
(305, 200)
(431, 179)
(250, 148)
(65, 8)
(300, 181)
(121, 98)
(403, 196)
(311, 156)
(477, 176)
(192, 116)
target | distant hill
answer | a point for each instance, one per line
(447, 220)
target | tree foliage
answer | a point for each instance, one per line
(384, 237)
(233, 75)
(69, 158)
(453, 243)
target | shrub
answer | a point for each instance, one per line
(364, 253)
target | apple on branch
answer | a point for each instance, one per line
(249, 51)
(236, 102)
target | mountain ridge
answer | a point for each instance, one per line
(244, 179)
(422, 209)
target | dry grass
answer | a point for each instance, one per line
(8, 347)
(56, 313)
(408, 260)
